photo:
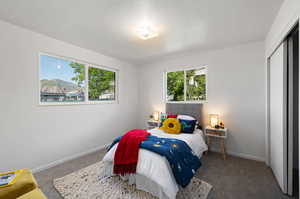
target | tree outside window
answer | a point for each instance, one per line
(187, 85)
(101, 84)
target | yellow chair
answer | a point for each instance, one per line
(24, 185)
(34, 194)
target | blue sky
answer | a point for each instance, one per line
(55, 68)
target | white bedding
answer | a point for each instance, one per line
(153, 173)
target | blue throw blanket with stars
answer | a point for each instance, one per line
(184, 163)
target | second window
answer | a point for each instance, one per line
(186, 85)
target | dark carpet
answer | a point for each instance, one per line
(234, 178)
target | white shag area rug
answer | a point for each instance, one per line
(89, 183)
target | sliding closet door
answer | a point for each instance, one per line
(278, 110)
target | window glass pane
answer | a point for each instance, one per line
(102, 84)
(61, 80)
(196, 85)
(175, 86)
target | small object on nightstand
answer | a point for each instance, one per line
(151, 124)
(219, 133)
(222, 125)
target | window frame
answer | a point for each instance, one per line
(184, 69)
(87, 66)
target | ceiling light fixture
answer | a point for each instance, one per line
(146, 32)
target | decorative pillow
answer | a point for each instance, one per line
(187, 126)
(172, 116)
(168, 116)
(185, 117)
(172, 126)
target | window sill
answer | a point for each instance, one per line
(77, 103)
(186, 102)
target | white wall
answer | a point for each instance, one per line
(32, 135)
(236, 90)
(287, 17)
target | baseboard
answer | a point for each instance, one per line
(242, 155)
(78, 155)
(57, 162)
(247, 156)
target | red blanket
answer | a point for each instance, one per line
(126, 155)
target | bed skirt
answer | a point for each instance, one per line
(141, 182)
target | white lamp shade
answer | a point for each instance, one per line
(156, 115)
(214, 119)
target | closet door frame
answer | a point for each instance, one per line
(276, 40)
(293, 21)
(293, 104)
(288, 113)
(290, 117)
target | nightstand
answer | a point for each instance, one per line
(220, 134)
(151, 124)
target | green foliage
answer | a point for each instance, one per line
(196, 86)
(79, 73)
(175, 84)
(100, 82)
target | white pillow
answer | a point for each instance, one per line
(185, 117)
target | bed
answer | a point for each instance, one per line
(153, 173)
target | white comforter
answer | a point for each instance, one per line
(156, 167)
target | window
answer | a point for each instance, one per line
(101, 84)
(66, 81)
(175, 84)
(187, 85)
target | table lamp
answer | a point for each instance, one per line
(156, 116)
(214, 120)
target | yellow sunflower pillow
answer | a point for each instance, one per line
(171, 125)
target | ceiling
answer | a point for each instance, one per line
(108, 26)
